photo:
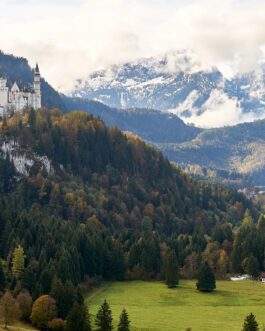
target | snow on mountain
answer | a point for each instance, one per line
(178, 82)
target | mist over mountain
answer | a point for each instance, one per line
(179, 83)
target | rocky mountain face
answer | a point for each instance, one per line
(178, 82)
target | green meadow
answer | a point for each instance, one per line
(152, 306)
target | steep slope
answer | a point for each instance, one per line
(18, 69)
(93, 202)
(239, 148)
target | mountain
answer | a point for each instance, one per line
(17, 69)
(238, 149)
(178, 82)
(150, 125)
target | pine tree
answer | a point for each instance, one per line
(206, 279)
(172, 276)
(251, 266)
(124, 324)
(250, 323)
(78, 319)
(18, 261)
(104, 318)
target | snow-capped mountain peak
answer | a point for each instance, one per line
(179, 83)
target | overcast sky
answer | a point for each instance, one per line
(70, 38)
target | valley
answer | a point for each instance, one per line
(152, 307)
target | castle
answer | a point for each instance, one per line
(16, 98)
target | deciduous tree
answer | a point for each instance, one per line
(18, 261)
(43, 310)
(9, 309)
(24, 300)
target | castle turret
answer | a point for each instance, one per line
(3, 95)
(37, 87)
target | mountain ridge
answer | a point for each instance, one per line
(179, 83)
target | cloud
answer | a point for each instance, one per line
(218, 111)
(71, 38)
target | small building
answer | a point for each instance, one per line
(241, 277)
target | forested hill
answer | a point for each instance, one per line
(17, 69)
(239, 148)
(86, 200)
(151, 125)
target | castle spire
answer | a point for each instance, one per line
(37, 70)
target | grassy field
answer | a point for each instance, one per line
(151, 306)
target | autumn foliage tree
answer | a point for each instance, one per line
(18, 262)
(9, 309)
(57, 324)
(24, 300)
(43, 311)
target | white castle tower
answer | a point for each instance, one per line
(3, 95)
(19, 97)
(37, 88)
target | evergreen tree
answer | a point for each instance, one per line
(78, 319)
(172, 276)
(206, 279)
(250, 323)
(32, 118)
(124, 323)
(104, 318)
(251, 266)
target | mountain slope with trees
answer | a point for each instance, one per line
(151, 125)
(238, 148)
(81, 201)
(109, 200)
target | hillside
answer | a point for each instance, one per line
(151, 125)
(91, 194)
(239, 148)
